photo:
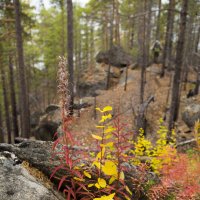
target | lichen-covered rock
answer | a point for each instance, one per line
(17, 184)
(191, 113)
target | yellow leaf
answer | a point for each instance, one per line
(112, 179)
(92, 154)
(128, 190)
(101, 153)
(109, 197)
(87, 174)
(97, 164)
(96, 137)
(107, 108)
(127, 198)
(99, 109)
(102, 182)
(76, 168)
(109, 144)
(98, 156)
(79, 179)
(110, 129)
(109, 168)
(97, 185)
(108, 136)
(90, 185)
(105, 117)
(100, 126)
(121, 176)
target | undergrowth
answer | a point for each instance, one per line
(119, 168)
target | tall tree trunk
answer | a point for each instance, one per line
(92, 46)
(63, 27)
(148, 29)
(196, 91)
(6, 104)
(158, 20)
(175, 98)
(87, 57)
(111, 42)
(13, 99)
(23, 95)
(70, 47)
(197, 40)
(1, 126)
(143, 52)
(117, 22)
(168, 38)
(188, 51)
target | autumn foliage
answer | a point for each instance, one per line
(119, 167)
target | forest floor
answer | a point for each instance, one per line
(126, 104)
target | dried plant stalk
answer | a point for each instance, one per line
(63, 92)
(64, 98)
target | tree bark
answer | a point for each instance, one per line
(148, 30)
(13, 99)
(168, 38)
(175, 98)
(1, 126)
(63, 27)
(6, 104)
(143, 52)
(117, 23)
(70, 51)
(158, 20)
(23, 95)
(197, 86)
(141, 121)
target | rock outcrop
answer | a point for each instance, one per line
(191, 113)
(116, 56)
(16, 183)
(48, 123)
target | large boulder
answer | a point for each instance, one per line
(48, 123)
(16, 183)
(191, 113)
(35, 119)
(116, 56)
(92, 81)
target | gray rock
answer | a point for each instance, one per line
(48, 124)
(51, 107)
(17, 184)
(191, 114)
(116, 56)
(35, 118)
